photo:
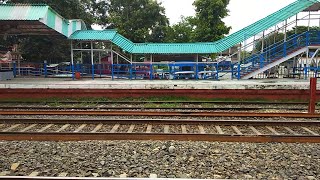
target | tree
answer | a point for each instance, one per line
(182, 31)
(208, 20)
(269, 40)
(137, 20)
(302, 29)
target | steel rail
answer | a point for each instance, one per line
(26, 136)
(151, 108)
(157, 102)
(146, 113)
(159, 121)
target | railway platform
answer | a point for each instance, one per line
(266, 89)
(67, 83)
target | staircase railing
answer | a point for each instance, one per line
(276, 52)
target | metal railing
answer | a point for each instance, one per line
(275, 52)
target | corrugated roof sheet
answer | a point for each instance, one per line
(23, 11)
(123, 42)
(212, 47)
(174, 48)
(42, 13)
(105, 35)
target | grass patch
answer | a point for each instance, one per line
(163, 105)
(94, 101)
(208, 105)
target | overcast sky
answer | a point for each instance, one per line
(242, 12)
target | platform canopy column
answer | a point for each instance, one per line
(262, 43)
(239, 52)
(285, 30)
(92, 60)
(72, 63)
(296, 30)
(309, 20)
(112, 66)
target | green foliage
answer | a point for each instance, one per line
(269, 40)
(206, 26)
(145, 21)
(40, 48)
(163, 105)
(182, 31)
(302, 29)
(138, 20)
(245, 54)
(208, 20)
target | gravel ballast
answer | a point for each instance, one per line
(166, 159)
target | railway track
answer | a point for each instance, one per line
(156, 102)
(154, 108)
(159, 113)
(259, 106)
(181, 130)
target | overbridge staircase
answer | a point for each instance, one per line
(276, 54)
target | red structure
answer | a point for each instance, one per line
(313, 95)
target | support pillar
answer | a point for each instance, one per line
(239, 72)
(130, 70)
(72, 63)
(14, 69)
(45, 69)
(232, 67)
(19, 64)
(307, 64)
(81, 54)
(239, 53)
(254, 46)
(151, 71)
(151, 66)
(313, 92)
(112, 68)
(262, 43)
(285, 30)
(217, 67)
(197, 68)
(92, 61)
(309, 21)
(296, 30)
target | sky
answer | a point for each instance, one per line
(242, 12)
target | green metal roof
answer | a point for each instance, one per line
(123, 42)
(41, 13)
(22, 11)
(199, 48)
(76, 30)
(105, 35)
(174, 48)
